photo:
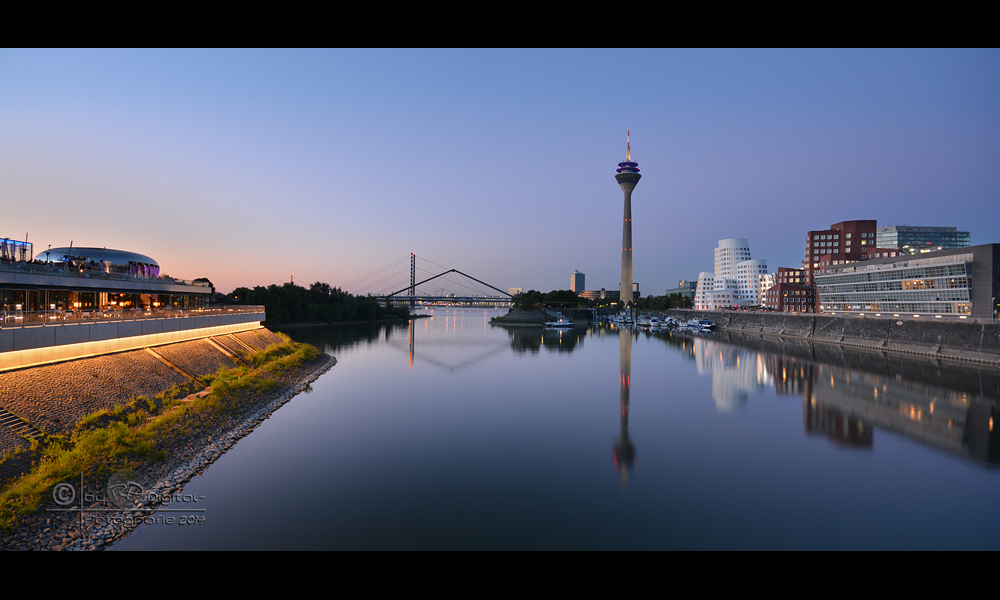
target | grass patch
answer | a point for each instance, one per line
(93, 418)
(126, 436)
(278, 358)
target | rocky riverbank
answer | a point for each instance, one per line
(90, 522)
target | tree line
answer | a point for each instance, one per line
(664, 302)
(567, 298)
(320, 303)
(533, 299)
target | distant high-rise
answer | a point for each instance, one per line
(576, 282)
(628, 176)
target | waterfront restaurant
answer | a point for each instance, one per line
(91, 280)
(962, 283)
(70, 303)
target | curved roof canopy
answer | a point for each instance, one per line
(107, 255)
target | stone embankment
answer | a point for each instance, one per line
(533, 318)
(537, 317)
(53, 398)
(949, 340)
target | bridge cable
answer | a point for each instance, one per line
(388, 277)
(373, 273)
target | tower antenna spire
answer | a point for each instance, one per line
(628, 145)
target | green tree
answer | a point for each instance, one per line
(526, 300)
(320, 303)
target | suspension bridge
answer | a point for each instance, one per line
(450, 287)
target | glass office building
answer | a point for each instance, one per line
(961, 282)
(917, 240)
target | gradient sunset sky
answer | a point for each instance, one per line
(247, 166)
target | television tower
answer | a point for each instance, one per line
(628, 175)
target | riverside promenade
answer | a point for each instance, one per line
(966, 341)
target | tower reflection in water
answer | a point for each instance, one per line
(623, 452)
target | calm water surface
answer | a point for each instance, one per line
(453, 434)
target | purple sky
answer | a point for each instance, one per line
(249, 166)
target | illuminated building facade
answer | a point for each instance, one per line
(789, 293)
(601, 294)
(843, 243)
(91, 279)
(959, 282)
(70, 303)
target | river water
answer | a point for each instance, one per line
(450, 433)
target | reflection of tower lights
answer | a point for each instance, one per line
(623, 452)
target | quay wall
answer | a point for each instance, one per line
(578, 315)
(957, 340)
(25, 346)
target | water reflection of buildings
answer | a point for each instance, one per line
(952, 420)
(735, 372)
(533, 339)
(793, 376)
(847, 403)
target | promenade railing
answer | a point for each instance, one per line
(945, 317)
(42, 318)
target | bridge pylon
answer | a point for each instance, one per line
(412, 296)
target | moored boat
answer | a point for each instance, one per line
(559, 323)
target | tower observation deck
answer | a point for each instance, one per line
(628, 176)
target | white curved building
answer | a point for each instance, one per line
(730, 253)
(738, 280)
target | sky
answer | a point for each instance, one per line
(250, 167)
